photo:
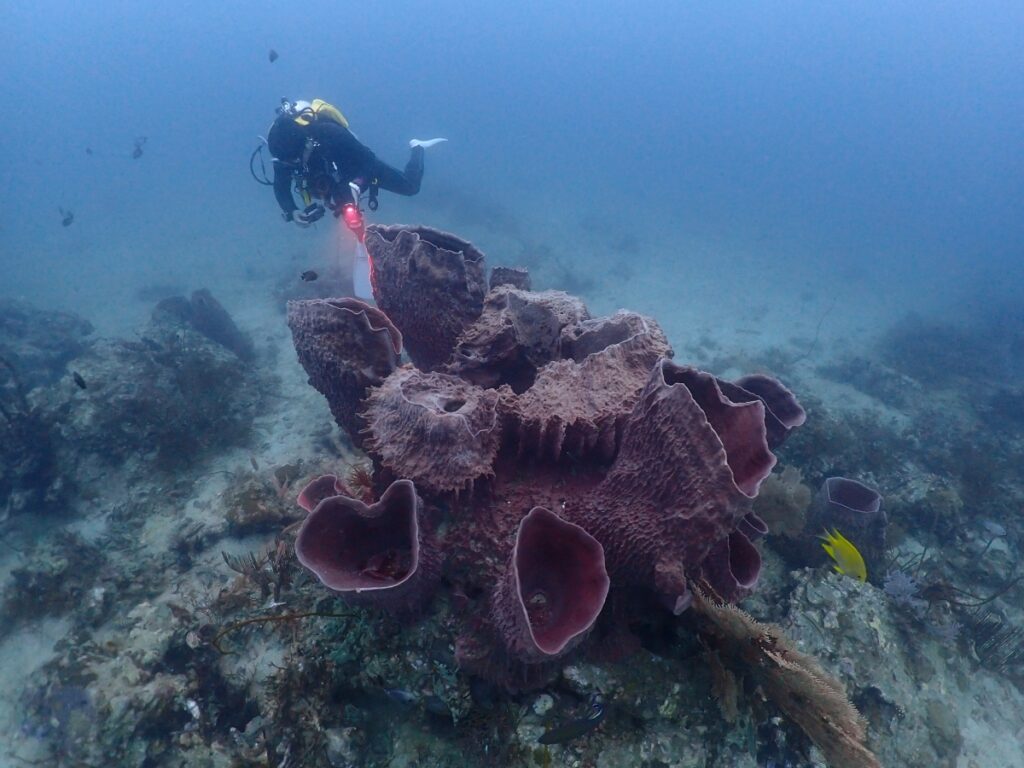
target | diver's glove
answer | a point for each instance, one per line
(425, 143)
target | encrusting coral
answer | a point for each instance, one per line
(536, 456)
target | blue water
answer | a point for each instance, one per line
(858, 137)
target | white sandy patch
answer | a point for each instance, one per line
(21, 656)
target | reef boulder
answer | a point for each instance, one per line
(164, 399)
(40, 342)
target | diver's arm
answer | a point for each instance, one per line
(283, 189)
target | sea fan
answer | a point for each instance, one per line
(900, 586)
(902, 589)
(945, 632)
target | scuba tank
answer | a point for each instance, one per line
(303, 113)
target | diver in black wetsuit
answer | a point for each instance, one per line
(313, 147)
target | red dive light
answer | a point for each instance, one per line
(353, 220)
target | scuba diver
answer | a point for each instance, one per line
(313, 147)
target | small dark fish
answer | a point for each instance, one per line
(79, 381)
(272, 56)
(401, 696)
(139, 143)
(309, 275)
(152, 345)
(580, 726)
(67, 217)
(255, 466)
(88, 151)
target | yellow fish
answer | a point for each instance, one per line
(848, 560)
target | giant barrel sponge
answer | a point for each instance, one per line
(544, 461)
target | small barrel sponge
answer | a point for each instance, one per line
(208, 317)
(853, 509)
(320, 488)
(783, 413)
(553, 589)
(753, 527)
(733, 566)
(430, 283)
(738, 423)
(516, 334)
(689, 463)
(375, 554)
(345, 347)
(437, 430)
(579, 403)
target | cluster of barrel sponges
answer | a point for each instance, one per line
(541, 467)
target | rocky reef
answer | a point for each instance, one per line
(41, 342)
(35, 347)
(72, 405)
(167, 397)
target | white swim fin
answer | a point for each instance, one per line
(361, 285)
(425, 143)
